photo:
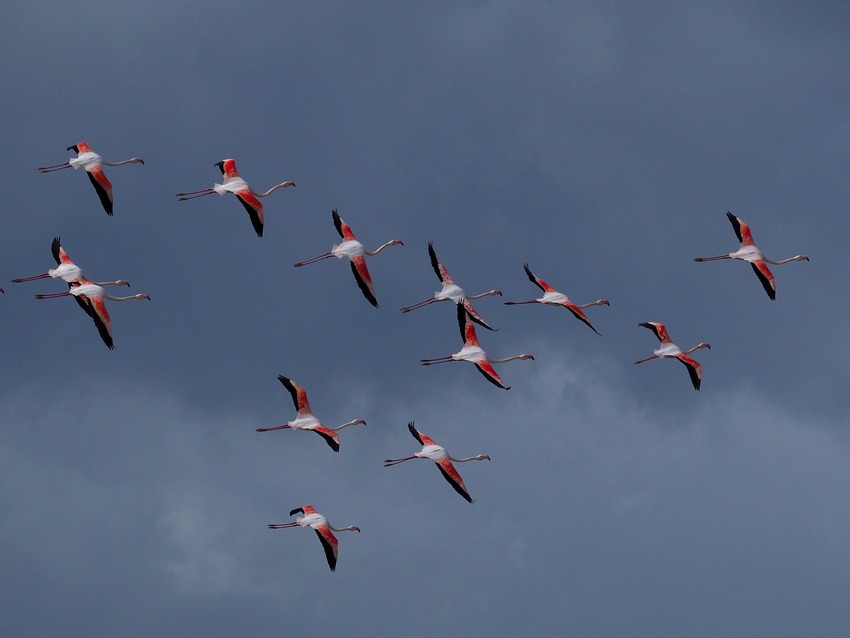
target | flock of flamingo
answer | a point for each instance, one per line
(91, 297)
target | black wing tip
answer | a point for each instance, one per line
(457, 488)
(296, 511)
(363, 287)
(414, 432)
(765, 282)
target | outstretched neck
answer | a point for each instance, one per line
(139, 296)
(516, 356)
(132, 160)
(391, 242)
(785, 261)
(477, 457)
(274, 188)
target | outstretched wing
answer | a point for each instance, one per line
(364, 279)
(342, 228)
(299, 395)
(741, 229)
(537, 281)
(254, 207)
(765, 277)
(102, 185)
(437, 265)
(447, 469)
(694, 369)
(581, 316)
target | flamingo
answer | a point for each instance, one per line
(473, 353)
(93, 165)
(233, 183)
(451, 291)
(68, 271)
(356, 253)
(669, 350)
(305, 420)
(438, 454)
(94, 296)
(323, 529)
(751, 253)
(554, 298)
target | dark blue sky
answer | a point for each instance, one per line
(602, 145)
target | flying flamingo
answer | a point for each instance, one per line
(554, 298)
(669, 349)
(356, 253)
(451, 291)
(305, 420)
(94, 296)
(323, 529)
(233, 183)
(69, 272)
(750, 252)
(473, 353)
(438, 454)
(93, 165)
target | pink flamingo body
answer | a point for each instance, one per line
(451, 291)
(751, 253)
(247, 196)
(473, 352)
(304, 420)
(552, 297)
(94, 297)
(323, 529)
(670, 350)
(93, 164)
(433, 452)
(356, 253)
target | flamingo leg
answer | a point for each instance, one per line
(313, 260)
(418, 305)
(53, 295)
(389, 462)
(281, 525)
(655, 356)
(54, 167)
(277, 427)
(428, 362)
(208, 192)
(712, 258)
(519, 303)
(23, 279)
(203, 190)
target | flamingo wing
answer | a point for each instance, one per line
(102, 185)
(658, 330)
(342, 228)
(97, 311)
(254, 208)
(694, 369)
(765, 277)
(447, 469)
(58, 254)
(537, 281)
(742, 230)
(329, 543)
(330, 437)
(438, 266)
(489, 372)
(580, 315)
(299, 395)
(415, 433)
(467, 328)
(364, 279)
(473, 314)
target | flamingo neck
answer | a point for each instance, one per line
(382, 246)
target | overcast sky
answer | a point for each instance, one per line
(602, 143)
